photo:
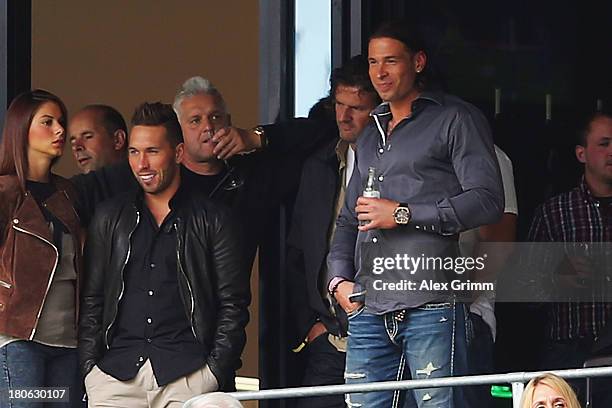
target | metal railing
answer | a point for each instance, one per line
(517, 380)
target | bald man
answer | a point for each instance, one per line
(98, 137)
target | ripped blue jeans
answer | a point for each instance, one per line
(414, 343)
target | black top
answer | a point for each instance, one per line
(151, 323)
(244, 189)
(41, 192)
(206, 184)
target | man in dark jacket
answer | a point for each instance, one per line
(320, 328)
(139, 347)
(249, 184)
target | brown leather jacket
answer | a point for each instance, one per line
(28, 257)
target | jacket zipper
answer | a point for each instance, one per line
(127, 258)
(230, 171)
(5, 284)
(180, 265)
(50, 279)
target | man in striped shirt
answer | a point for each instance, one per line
(583, 214)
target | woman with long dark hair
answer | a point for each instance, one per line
(40, 255)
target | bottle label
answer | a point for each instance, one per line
(371, 194)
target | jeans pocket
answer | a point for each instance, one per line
(355, 312)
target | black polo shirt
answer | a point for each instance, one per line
(152, 322)
(202, 183)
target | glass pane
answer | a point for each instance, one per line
(312, 52)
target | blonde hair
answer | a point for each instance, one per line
(556, 383)
(213, 400)
(195, 86)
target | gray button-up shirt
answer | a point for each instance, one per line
(440, 161)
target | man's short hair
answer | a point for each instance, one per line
(323, 110)
(110, 118)
(159, 114)
(409, 35)
(584, 126)
(353, 73)
(195, 86)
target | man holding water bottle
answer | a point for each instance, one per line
(437, 176)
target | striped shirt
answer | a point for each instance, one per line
(574, 216)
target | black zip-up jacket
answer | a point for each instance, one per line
(247, 187)
(213, 282)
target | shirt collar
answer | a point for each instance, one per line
(584, 190)
(341, 151)
(175, 202)
(425, 97)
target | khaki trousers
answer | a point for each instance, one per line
(105, 391)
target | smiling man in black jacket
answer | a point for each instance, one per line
(140, 347)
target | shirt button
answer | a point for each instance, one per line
(149, 320)
(150, 293)
(149, 340)
(152, 265)
(140, 358)
(381, 150)
(374, 240)
(381, 178)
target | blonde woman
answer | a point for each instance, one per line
(549, 391)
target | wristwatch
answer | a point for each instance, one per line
(259, 131)
(402, 214)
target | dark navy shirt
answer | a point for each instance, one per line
(440, 162)
(152, 322)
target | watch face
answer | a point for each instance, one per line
(402, 215)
